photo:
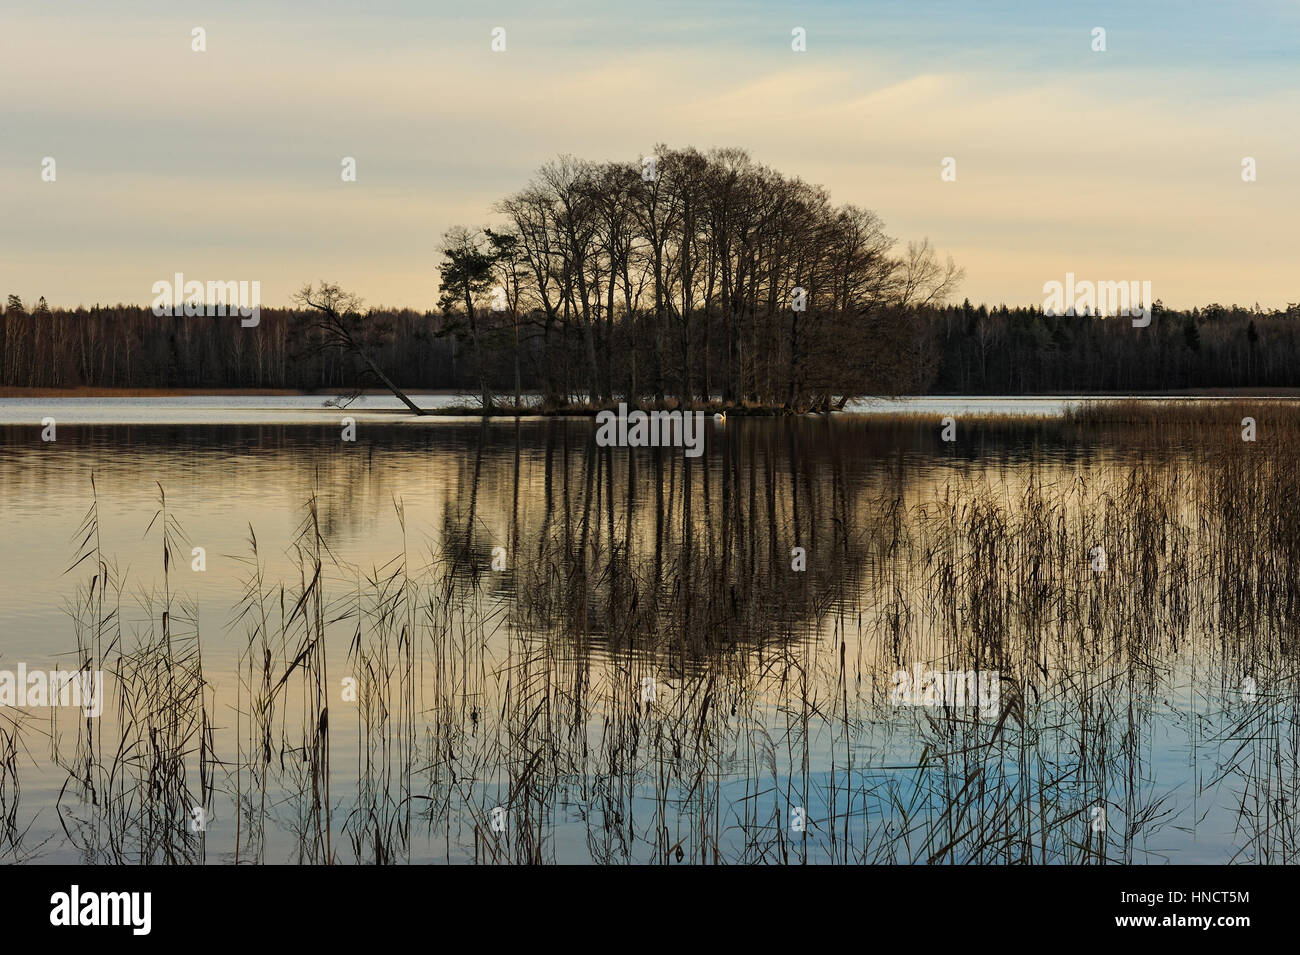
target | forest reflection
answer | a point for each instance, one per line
(563, 652)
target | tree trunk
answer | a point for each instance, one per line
(401, 395)
(518, 390)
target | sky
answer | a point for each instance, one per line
(225, 164)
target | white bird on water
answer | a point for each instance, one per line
(720, 417)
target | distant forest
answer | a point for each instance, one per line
(691, 276)
(958, 349)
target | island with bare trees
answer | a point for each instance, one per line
(698, 279)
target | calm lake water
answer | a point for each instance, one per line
(498, 642)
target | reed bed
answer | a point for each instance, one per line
(649, 679)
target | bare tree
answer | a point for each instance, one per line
(509, 270)
(801, 292)
(922, 280)
(569, 184)
(341, 325)
(531, 213)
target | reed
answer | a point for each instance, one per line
(525, 690)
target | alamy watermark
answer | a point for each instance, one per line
(950, 688)
(79, 907)
(179, 297)
(1099, 298)
(654, 429)
(41, 688)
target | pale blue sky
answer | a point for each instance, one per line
(225, 164)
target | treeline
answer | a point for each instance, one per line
(1022, 351)
(687, 277)
(959, 349)
(682, 277)
(127, 346)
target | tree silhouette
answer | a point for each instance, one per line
(466, 273)
(341, 326)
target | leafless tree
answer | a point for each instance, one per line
(341, 325)
(922, 279)
(709, 246)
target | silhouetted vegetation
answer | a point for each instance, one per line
(700, 276)
(960, 350)
(694, 275)
(1022, 351)
(1160, 690)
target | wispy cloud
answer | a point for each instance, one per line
(227, 163)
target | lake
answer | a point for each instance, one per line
(834, 639)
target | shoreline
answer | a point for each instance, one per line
(196, 406)
(96, 392)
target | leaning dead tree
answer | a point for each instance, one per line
(340, 325)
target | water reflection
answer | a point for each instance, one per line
(638, 656)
